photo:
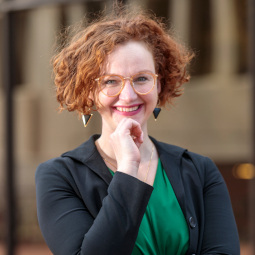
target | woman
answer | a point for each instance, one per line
(123, 192)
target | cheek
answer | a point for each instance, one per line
(151, 99)
(104, 101)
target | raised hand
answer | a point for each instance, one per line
(125, 141)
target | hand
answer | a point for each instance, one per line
(126, 140)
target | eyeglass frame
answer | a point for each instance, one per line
(155, 76)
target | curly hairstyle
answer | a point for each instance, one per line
(79, 63)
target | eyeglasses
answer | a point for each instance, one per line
(112, 85)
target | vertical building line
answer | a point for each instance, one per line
(8, 78)
(251, 56)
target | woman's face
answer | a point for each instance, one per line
(127, 60)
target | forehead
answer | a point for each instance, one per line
(129, 58)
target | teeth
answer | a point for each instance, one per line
(129, 109)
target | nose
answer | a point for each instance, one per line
(127, 94)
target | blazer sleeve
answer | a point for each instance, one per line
(220, 234)
(69, 228)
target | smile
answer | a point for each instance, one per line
(127, 109)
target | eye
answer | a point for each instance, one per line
(141, 78)
(111, 81)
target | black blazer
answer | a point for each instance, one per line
(82, 209)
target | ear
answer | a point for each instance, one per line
(91, 96)
(91, 101)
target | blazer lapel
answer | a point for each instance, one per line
(87, 154)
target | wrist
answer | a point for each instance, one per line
(130, 168)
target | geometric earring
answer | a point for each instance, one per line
(86, 118)
(156, 112)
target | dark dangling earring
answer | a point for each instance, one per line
(156, 112)
(86, 119)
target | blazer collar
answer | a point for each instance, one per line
(88, 154)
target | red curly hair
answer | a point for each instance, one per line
(79, 63)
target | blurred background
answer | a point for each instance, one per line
(214, 117)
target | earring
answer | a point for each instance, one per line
(86, 119)
(156, 112)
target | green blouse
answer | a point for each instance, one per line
(163, 229)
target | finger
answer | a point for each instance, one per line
(127, 126)
(137, 133)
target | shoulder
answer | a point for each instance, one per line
(206, 169)
(57, 164)
(62, 169)
(177, 151)
(53, 172)
(190, 162)
(56, 175)
(165, 148)
(70, 159)
(74, 168)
